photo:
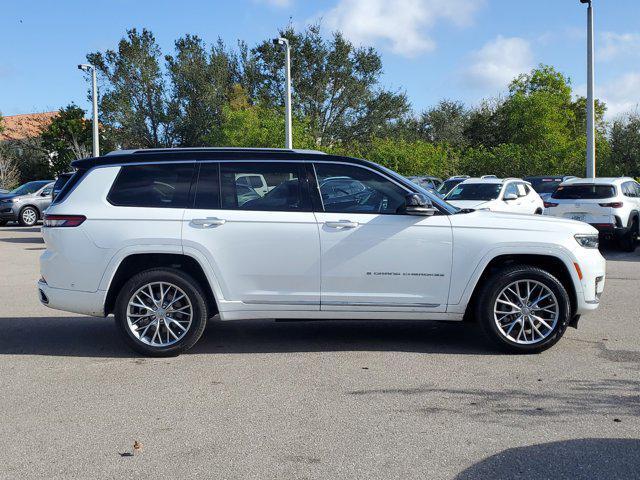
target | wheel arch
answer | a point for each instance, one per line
(138, 262)
(550, 263)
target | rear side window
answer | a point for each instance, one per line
(163, 185)
(585, 192)
(65, 183)
(264, 186)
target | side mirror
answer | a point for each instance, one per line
(418, 204)
(510, 196)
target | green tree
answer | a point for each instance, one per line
(444, 123)
(335, 85)
(133, 92)
(69, 137)
(257, 126)
(625, 145)
(201, 82)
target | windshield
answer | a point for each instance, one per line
(475, 191)
(28, 188)
(545, 185)
(448, 185)
(587, 192)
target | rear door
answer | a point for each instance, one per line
(263, 248)
(374, 257)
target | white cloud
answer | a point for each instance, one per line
(614, 45)
(402, 25)
(498, 62)
(621, 95)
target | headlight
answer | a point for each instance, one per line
(587, 240)
(16, 199)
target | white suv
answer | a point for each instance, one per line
(512, 195)
(612, 205)
(166, 239)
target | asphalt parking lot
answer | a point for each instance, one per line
(314, 400)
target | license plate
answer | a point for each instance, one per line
(580, 218)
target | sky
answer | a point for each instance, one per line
(431, 49)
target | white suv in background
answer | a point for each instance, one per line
(166, 239)
(499, 195)
(612, 205)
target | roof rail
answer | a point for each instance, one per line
(206, 149)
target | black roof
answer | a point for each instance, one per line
(119, 157)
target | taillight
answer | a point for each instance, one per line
(612, 205)
(63, 220)
(550, 204)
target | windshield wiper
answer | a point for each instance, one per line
(466, 210)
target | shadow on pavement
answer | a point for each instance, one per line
(98, 337)
(588, 458)
(20, 229)
(23, 240)
(613, 253)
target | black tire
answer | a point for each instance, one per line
(184, 282)
(629, 242)
(538, 212)
(32, 219)
(496, 283)
(3, 223)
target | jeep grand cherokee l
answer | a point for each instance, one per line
(162, 240)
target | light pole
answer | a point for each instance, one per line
(287, 97)
(85, 67)
(591, 115)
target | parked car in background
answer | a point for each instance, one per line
(165, 244)
(26, 203)
(430, 183)
(499, 195)
(545, 186)
(59, 184)
(450, 183)
(612, 205)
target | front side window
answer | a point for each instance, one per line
(265, 186)
(163, 185)
(351, 189)
(511, 189)
(475, 191)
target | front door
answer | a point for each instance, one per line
(374, 257)
(263, 246)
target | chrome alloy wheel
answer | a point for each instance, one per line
(29, 216)
(526, 312)
(159, 314)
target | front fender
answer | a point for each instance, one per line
(459, 299)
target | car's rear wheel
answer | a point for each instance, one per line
(523, 309)
(161, 312)
(28, 217)
(629, 242)
(3, 223)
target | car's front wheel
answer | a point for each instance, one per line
(161, 312)
(523, 309)
(28, 217)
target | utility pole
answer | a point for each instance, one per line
(288, 141)
(94, 94)
(591, 114)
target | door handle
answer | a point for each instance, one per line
(342, 224)
(208, 222)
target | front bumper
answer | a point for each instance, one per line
(8, 212)
(85, 303)
(592, 266)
